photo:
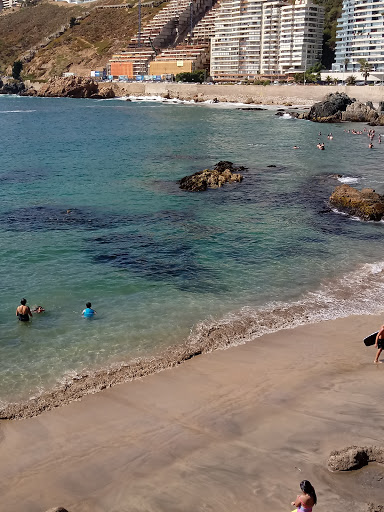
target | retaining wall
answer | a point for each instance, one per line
(270, 94)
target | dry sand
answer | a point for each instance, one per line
(232, 430)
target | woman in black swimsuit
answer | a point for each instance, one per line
(23, 312)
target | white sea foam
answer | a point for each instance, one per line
(209, 103)
(348, 179)
(355, 293)
(16, 111)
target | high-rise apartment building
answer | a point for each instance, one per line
(360, 35)
(301, 35)
(265, 37)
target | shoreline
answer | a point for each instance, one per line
(340, 298)
(276, 95)
(242, 426)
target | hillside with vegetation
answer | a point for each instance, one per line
(87, 44)
(332, 12)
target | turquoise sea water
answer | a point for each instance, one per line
(157, 262)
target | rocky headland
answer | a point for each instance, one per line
(365, 204)
(12, 87)
(70, 87)
(223, 172)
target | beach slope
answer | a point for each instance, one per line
(232, 430)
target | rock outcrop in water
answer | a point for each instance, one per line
(338, 107)
(330, 110)
(365, 204)
(223, 172)
(354, 457)
(72, 87)
(360, 112)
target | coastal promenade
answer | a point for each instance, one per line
(234, 430)
(270, 94)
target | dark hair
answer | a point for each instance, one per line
(23, 302)
(307, 488)
(88, 305)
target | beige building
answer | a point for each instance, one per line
(171, 67)
(257, 37)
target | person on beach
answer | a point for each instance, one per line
(307, 499)
(23, 312)
(88, 312)
(379, 343)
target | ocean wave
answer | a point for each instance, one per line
(15, 111)
(351, 294)
(209, 103)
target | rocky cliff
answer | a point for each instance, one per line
(75, 87)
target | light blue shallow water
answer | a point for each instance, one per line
(155, 260)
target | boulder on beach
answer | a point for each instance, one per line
(354, 457)
(330, 109)
(365, 204)
(372, 507)
(223, 172)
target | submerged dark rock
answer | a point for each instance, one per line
(252, 108)
(365, 204)
(223, 172)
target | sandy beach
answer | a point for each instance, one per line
(232, 430)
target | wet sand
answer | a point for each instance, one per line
(231, 430)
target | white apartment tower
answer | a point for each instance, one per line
(360, 35)
(265, 37)
(301, 35)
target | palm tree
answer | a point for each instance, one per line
(328, 79)
(365, 69)
(346, 62)
(351, 80)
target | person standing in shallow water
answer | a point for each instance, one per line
(88, 312)
(379, 343)
(23, 312)
(307, 499)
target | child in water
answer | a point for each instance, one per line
(38, 309)
(88, 312)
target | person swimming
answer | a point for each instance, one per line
(38, 309)
(88, 312)
(23, 312)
